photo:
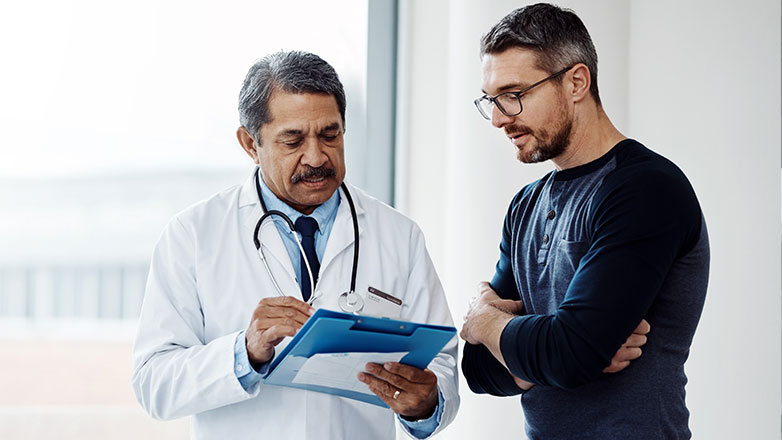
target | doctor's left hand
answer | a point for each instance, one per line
(274, 319)
(409, 391)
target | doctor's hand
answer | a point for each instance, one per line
(409, 391)
(273, 320)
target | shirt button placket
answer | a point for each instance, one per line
(550, 216)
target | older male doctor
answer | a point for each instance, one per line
(213, 319)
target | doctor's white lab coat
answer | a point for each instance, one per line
(205, 280)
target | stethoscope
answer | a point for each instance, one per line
(349, 301)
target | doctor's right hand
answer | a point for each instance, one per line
(273, 320)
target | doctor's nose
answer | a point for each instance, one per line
(313, 153)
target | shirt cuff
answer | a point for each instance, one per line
(425, 427)
(245, 373)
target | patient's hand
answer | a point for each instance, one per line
(630, 350)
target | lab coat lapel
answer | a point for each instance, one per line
(273, 248)
(272, 244)
(341, 236)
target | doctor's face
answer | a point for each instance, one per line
(302, 149)
(542, 130)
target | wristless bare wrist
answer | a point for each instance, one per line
(492, 324)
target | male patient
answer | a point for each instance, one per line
(613, 235)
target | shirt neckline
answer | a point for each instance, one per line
(321, 214)
(589, 167)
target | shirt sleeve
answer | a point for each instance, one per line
(245, 373)
(642, 220)
(425, 427)
(483, 372)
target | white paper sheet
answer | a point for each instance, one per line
(340, 370)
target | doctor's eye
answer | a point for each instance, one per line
(330, 136)
(293, 143)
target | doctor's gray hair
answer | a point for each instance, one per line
(291, 72)
(557, 35)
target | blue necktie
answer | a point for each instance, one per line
(307, 227)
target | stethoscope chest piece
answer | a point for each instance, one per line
(350, 302)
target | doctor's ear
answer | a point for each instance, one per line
(248, 143)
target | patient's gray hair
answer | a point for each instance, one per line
(557, 35)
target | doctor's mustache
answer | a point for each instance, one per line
(312, 172)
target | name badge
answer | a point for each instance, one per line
(379, 303)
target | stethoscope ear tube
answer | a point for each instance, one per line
(256, 236)
(355, 238)
(356, 303)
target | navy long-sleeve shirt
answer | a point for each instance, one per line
(591, 251)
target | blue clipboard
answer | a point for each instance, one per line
(327, 331)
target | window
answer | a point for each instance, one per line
(116, 116)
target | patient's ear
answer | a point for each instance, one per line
(579, 81)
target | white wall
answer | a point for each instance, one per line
(697, 81)
(705, 92)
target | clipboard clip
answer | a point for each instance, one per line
(383, 325)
